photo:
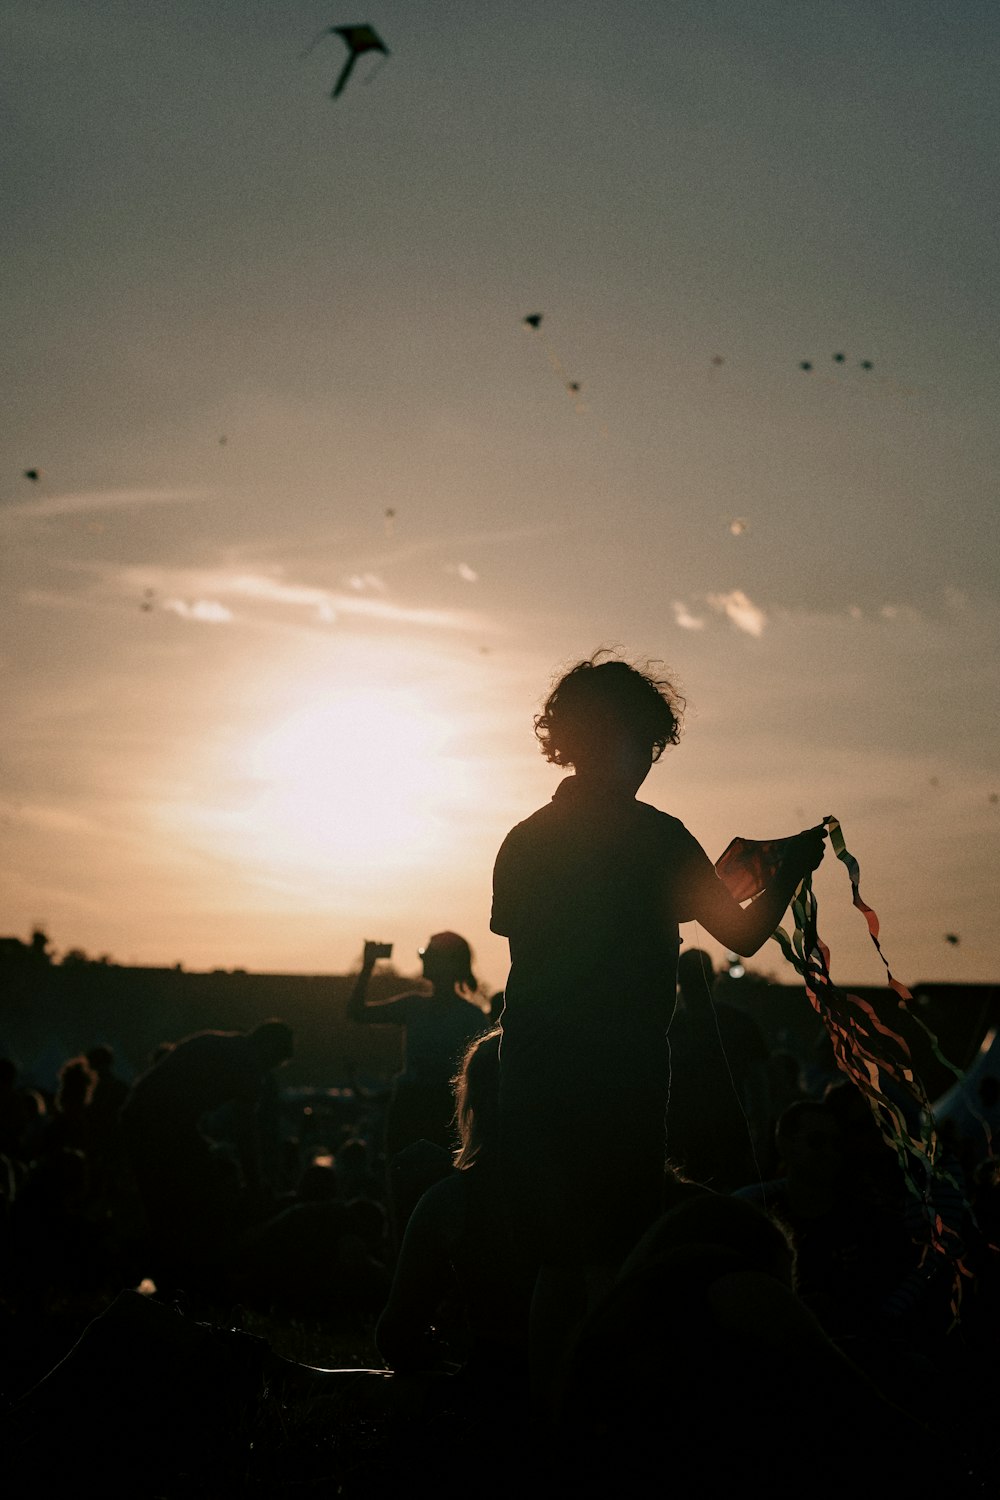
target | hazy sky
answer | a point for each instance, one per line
(318, 517)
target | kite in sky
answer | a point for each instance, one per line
(358, 40)
(533, 321)
(33, 474)
(839, 359)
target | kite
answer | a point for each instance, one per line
(952, 938)
(358, 40)
(33, 474)
(875, 1058)
(737, 526)
(533, 322)
(717, 360)
(838, 359)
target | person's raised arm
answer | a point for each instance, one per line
(359, 1007)
(744, 929)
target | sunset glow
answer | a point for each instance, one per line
(297, 524)
(358, 778)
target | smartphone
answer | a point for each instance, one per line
(382, 950)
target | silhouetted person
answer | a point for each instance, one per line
(110, 1091)
(18, 1115)
(589, 891)
(457, 1249)
(718, 1095)
(68, 1126)
(192, 1198)
(437, 1026)
(702, 1371)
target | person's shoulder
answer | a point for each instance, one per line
(442, 1209)
(664, 820)
(206, 1041)
(665, 828)
(523, 830)
(414, 1000)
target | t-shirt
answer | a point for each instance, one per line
(589, 891)
(436, 1031)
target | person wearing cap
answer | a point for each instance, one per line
(438, 1023)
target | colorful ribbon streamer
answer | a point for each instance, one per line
(877, 1059)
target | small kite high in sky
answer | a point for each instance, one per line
(533, 322)
(358, 40)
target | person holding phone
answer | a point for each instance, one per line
(438, 1023)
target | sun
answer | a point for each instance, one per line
(360, 778)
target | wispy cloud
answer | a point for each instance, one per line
(741, 610)
(258, 554)
(208, 610)
(360, 582)
(215, 596)
(84, 501)
(684, 618)
(903, 612)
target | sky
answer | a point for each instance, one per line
(318, 517)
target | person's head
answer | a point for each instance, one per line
(609, 718)
(76, 1084)
(272, 1043)
(101, 1058)
(807, 1137)
(715, 1219)
(447, 961)
(477, 1097)
(695, 975)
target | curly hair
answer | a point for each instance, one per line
(599, 695)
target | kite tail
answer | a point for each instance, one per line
(345, 74)
(877, 1060)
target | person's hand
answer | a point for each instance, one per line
(371, 953)
(806, 851)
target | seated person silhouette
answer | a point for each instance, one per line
(457, 1253)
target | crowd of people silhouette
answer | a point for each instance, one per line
(596, 1232)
